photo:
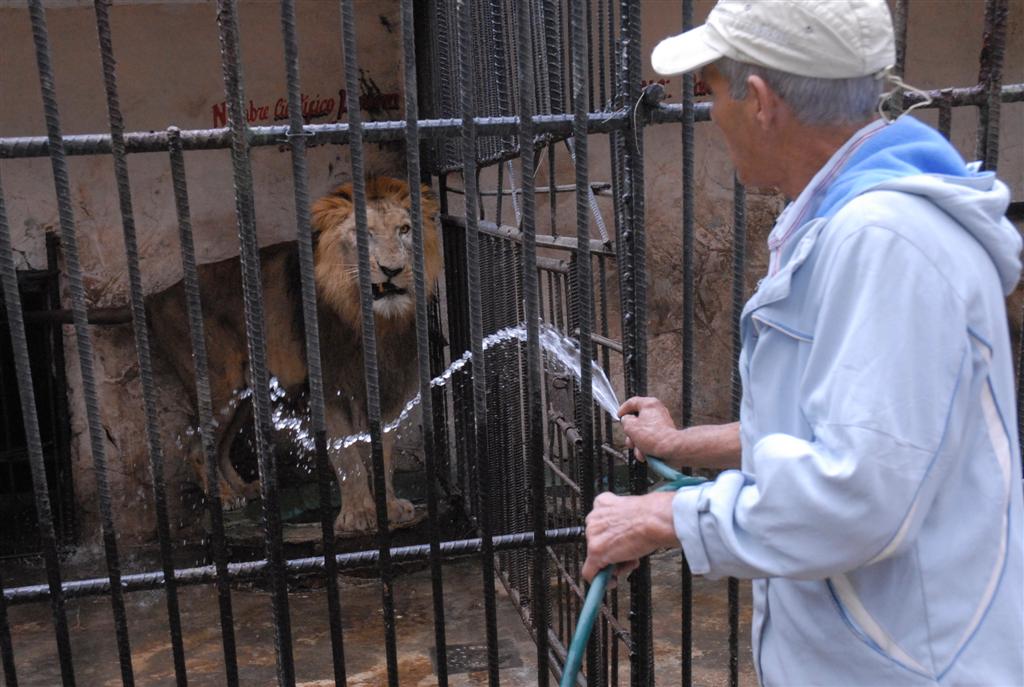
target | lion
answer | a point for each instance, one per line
(341, 346)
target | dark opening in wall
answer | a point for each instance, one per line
(19, 534)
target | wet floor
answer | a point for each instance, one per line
(95, 658)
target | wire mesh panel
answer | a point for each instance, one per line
(502, 101)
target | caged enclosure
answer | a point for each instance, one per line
(298, 413)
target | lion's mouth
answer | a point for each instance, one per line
(386, 290)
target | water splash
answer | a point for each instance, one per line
(567, 352)
(563, 354)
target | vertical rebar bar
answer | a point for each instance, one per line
(589, 16)
(621, 259)
(539, 597)
(83, 337)
(686, 609)
(602, 29)
(993, 48)
(738, 263)
(255, 328)
(945, 123)
(412, 148)
(553, 46)
(501, 195)
(499, 68)
(311, 327)
(634, 316)
(369, 333)
(140, 327)
(203, 402)
(480, 449)
(900, 30)
(581, 295)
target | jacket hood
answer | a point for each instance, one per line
(910, 157)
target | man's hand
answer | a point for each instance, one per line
(650, 431)
(648, 426)
(623, 529)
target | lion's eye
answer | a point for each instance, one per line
(404, 229)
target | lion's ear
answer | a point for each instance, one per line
(331, 210)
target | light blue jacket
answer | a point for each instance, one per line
(878, 509)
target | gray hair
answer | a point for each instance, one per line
(815, 101)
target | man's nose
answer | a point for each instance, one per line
(390, 272)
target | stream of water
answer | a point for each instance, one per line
(563, 354)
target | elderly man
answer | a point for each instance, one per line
(878, 502)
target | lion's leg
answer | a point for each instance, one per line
(357, 512)
(399, 510)
(233, 489)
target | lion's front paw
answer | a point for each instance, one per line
(230, 499)
(400, 511)
(356, 519)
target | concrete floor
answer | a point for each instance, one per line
(95, 657)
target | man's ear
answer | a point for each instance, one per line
(766, 102)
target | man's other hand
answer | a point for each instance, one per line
(623, 529)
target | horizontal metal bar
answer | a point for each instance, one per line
(552, 265)
(600, 188)
(602, 341)
(315, 134)
(250, 569)
(964, 96)
(944, 97)
(318, 134)
(506, 232)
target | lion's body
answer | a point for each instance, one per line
(339, 321)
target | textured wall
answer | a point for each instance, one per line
(169, 74)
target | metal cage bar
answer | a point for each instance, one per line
(141, 331)
(422, 334)
(250, 570)
(369, 334)
(582, 304)
(540, 608)
(311, 327)
(252, 291)
(552, 125)
(990, 78)
(739, 252)
(204, 403)
(687, 371)
(69, 243)
(480, 436)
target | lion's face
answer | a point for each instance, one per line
(391, 250)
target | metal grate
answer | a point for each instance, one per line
(518, 449)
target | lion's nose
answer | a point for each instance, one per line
(390, 272)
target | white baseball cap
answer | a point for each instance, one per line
(829, 39)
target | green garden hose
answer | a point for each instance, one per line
(592, 603)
